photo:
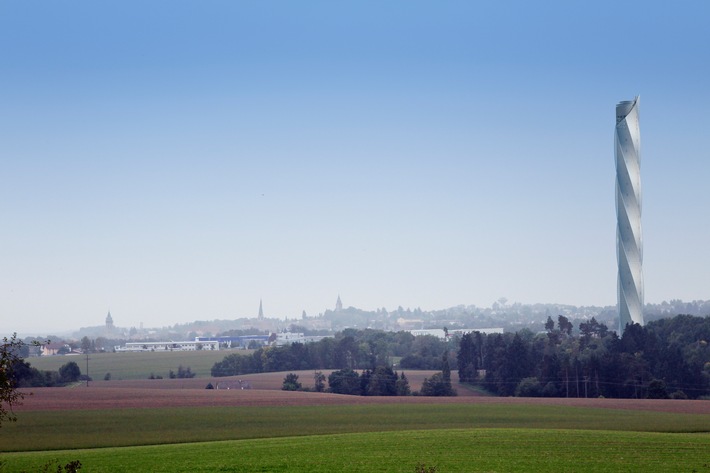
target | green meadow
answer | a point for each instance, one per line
(448, 450)
(451, 437)
(53, 430)
(137, 365)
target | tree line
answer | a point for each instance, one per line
(381, 381)
(350, 349)
(666, 358)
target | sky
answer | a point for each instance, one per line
(173, 161)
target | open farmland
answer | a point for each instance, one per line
(137, 365)
(450, 451)
(169, 425)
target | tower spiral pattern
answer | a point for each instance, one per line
(629, 249)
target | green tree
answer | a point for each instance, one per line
(657, 389)
(291, 383)
(564, 324)
(344, 381)
(319, 381)
(446, 369)
(85, 345)
(550, 324)
(69, 372)
(382, 382)
(529, 387)
(402, 386)
(436, 386)
(467, 359)
(9, 396)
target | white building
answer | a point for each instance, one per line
(169, 346)
(439, 333)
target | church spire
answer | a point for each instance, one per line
(338, 304)
(261, 310)
(109, 321)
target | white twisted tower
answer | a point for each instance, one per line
(629, 249)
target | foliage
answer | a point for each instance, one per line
(69, 372)
(440, 383)
(319, 381)
(123, 366)
(425, 353)
(182, 373)
(71, 467)
(291, 383)
(402, 386)
(345, 381)
(9, 396)
(382, 382)
(529, 387)
(350, 349)
(437, 386)
(668, 355)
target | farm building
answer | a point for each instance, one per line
(168, 346)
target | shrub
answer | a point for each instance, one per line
(291, 383)
(529, 387)
(70, 372)
(436, 386)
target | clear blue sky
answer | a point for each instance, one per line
(176, 161)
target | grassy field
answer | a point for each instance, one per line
(64, 429)
(172, 427)
(138, 365)
(458, 450)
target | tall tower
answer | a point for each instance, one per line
(338, 304)
(109, 322)
(629, 249)
(261, 310)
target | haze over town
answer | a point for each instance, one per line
(184, 164)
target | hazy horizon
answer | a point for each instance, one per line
(183, 163)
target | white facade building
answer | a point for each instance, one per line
(629, 245)
(441, 334)
(169, 346)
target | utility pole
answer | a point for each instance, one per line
(87, 369)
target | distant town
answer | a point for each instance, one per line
(262, 330)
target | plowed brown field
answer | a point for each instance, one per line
(266, 391)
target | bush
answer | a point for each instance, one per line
(71, 467)
(181, 373)
(69, 373)
(319, 381)
(528, 387)
(291, 383)
(344, 381)
(436, 386)
(657, 389)
(550, 390)
(209, 386)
